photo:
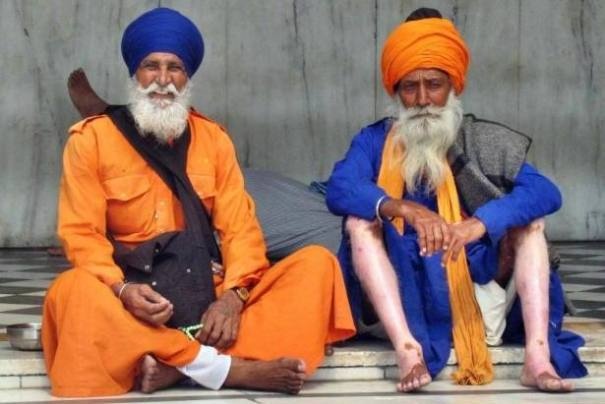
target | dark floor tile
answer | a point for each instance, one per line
(593, 263)
(30, 310)
(53, 269)
(572, 244)
(600, 314)
(20, 254)
(588, 304)
(597, 290)
(21, 299)
(2, 280)
(582, 281)
(33, 260)
(25, 272)
(15, 290)
(568, 256)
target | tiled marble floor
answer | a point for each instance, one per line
(25, 274)
(589, 390)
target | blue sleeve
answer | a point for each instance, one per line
(533, 196)
(351, 187)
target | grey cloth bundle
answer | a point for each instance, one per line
(291, 215)
(485, 160)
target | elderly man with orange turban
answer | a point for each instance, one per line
(443, 214)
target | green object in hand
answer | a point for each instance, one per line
(191, 330)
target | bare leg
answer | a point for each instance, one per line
(82, 95)
(284, 375)
(378, 279)
(531, 277)
(154, 375)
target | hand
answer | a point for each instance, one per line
(144, 303)
(461, 234)
(433, 231)
(221, 321)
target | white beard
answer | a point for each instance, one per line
(426, 135)
(163, 119)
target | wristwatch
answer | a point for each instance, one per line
(242, 292)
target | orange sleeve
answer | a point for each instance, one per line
(233, 216)
(82, 208)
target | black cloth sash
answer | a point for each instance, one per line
(178, 265)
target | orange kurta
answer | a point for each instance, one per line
(295, 307)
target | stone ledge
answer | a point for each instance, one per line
(357, 360)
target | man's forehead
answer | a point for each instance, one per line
(425, 74)
(160, 57)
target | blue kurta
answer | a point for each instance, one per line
(352, 190)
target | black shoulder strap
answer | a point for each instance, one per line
(170, 163)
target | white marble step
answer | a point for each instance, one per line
(359, 360)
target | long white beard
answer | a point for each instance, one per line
(163, 119)
(427, 134)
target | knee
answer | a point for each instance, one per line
(64, 278)
(534, 229)
(356, 226)
(316, 256)
(537, 226)
(70, 281)
(62, 282)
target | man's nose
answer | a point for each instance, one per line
(163, 78)
(422, 100)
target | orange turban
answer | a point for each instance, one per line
(430, 43)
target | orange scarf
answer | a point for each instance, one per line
(474, 363)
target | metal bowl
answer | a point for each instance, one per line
(25, 336)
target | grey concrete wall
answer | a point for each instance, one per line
(294, 80)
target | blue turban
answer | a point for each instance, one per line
(162, 30)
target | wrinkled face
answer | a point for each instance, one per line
(424, 87)
(163, 69)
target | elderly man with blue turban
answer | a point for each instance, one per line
(153, 298)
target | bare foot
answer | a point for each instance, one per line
(413, 373)
(82, 95)
(154, 375)
(285, 375)
(539, 373)
(547, 381)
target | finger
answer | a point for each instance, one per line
(445, 235)
(234, 331)
(215, 334)
(230, 334)
(421, 240)
(451, 248)
(457, 250)
(151, 295)
(430, 240)
(438, 244)
(454, 250)
(152, 308)
(446, 257)
(143, 315)
(208, 324)
(224, 341)
(160, 318)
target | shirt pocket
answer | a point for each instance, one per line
(130, 204)
(205, 188)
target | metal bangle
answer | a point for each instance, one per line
(122, 290)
